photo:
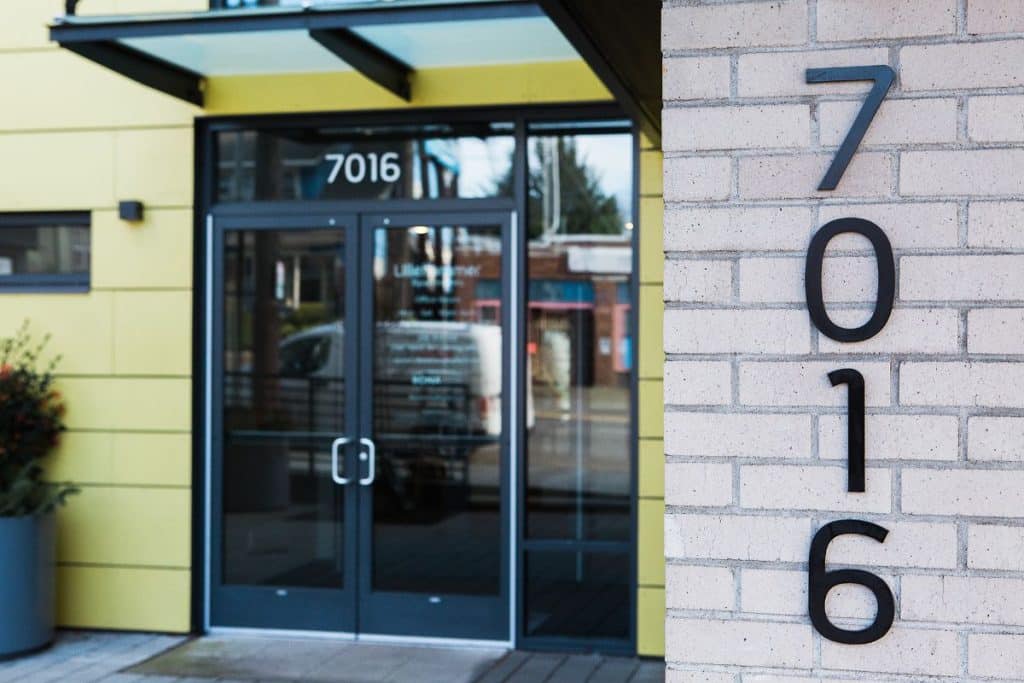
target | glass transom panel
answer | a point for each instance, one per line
(241, 53)
(421, 45)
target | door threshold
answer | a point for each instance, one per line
(368, 638)
(244, 631)
(427, 641)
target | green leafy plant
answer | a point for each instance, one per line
(31, 422)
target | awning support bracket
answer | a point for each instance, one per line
(138, 66)
(379, 66)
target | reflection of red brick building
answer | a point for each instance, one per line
(577, 288)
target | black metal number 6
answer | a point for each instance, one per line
(820, 582)
(886, 279)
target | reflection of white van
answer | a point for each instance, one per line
(430, 377)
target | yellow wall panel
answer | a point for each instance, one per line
(650, 622)
(652, 240)
(142, 459)
(106, 403)
(53, 171)
(156, 166)
(534, 83)
(652, 313)
(652, 468)
(154, 253)
(651, 406)
(651, 542)
(47, 81)
(79, 325)
(124, 598)
(153, 332)
(164, 459)
(126, 526)
(651, 170)
(24, 23)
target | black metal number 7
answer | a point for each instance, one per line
(883, 76)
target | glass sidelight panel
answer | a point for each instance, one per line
(283, 407)
(579, 320)
(579, 317)
(577, 595)
(437, 410)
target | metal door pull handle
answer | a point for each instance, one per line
(371, 455)
(335, 470)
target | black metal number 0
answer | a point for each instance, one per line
(886, 279)
(820, 582)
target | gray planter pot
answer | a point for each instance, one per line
(27, 584)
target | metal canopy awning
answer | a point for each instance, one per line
(384, 40)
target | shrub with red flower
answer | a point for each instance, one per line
(31, 422)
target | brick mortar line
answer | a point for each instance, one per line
(824, 47)
(845, 96)
(865, 357)
(672, 305)
(839, 462)
(748, 409)
(800, 673)
(801, 567)
(808, 150)
(811, 202)
(801, 254)
(799, 619)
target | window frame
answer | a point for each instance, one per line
(47, 282)
(530, 120)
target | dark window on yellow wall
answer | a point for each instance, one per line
(44, 251)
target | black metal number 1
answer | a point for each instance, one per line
(855, 425)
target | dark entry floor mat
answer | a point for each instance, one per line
(243, 659)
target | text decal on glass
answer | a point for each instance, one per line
(358, 168)
(819, 580)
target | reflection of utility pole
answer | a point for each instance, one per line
(551, 192)
(266, 327)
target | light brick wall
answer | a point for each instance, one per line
(755, 435)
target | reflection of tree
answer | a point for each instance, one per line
(565, 194)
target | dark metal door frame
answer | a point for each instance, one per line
(209, 207)
(285, 608)
(454, 616)
(353, 609)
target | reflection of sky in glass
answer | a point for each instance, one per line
(611, 158)
(340, 3)
(233, 4)
(483, 164)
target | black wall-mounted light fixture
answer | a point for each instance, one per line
(131, 211)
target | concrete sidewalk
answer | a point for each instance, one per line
(87, 657)
(99, 657)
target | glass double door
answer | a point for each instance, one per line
(358, 424)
